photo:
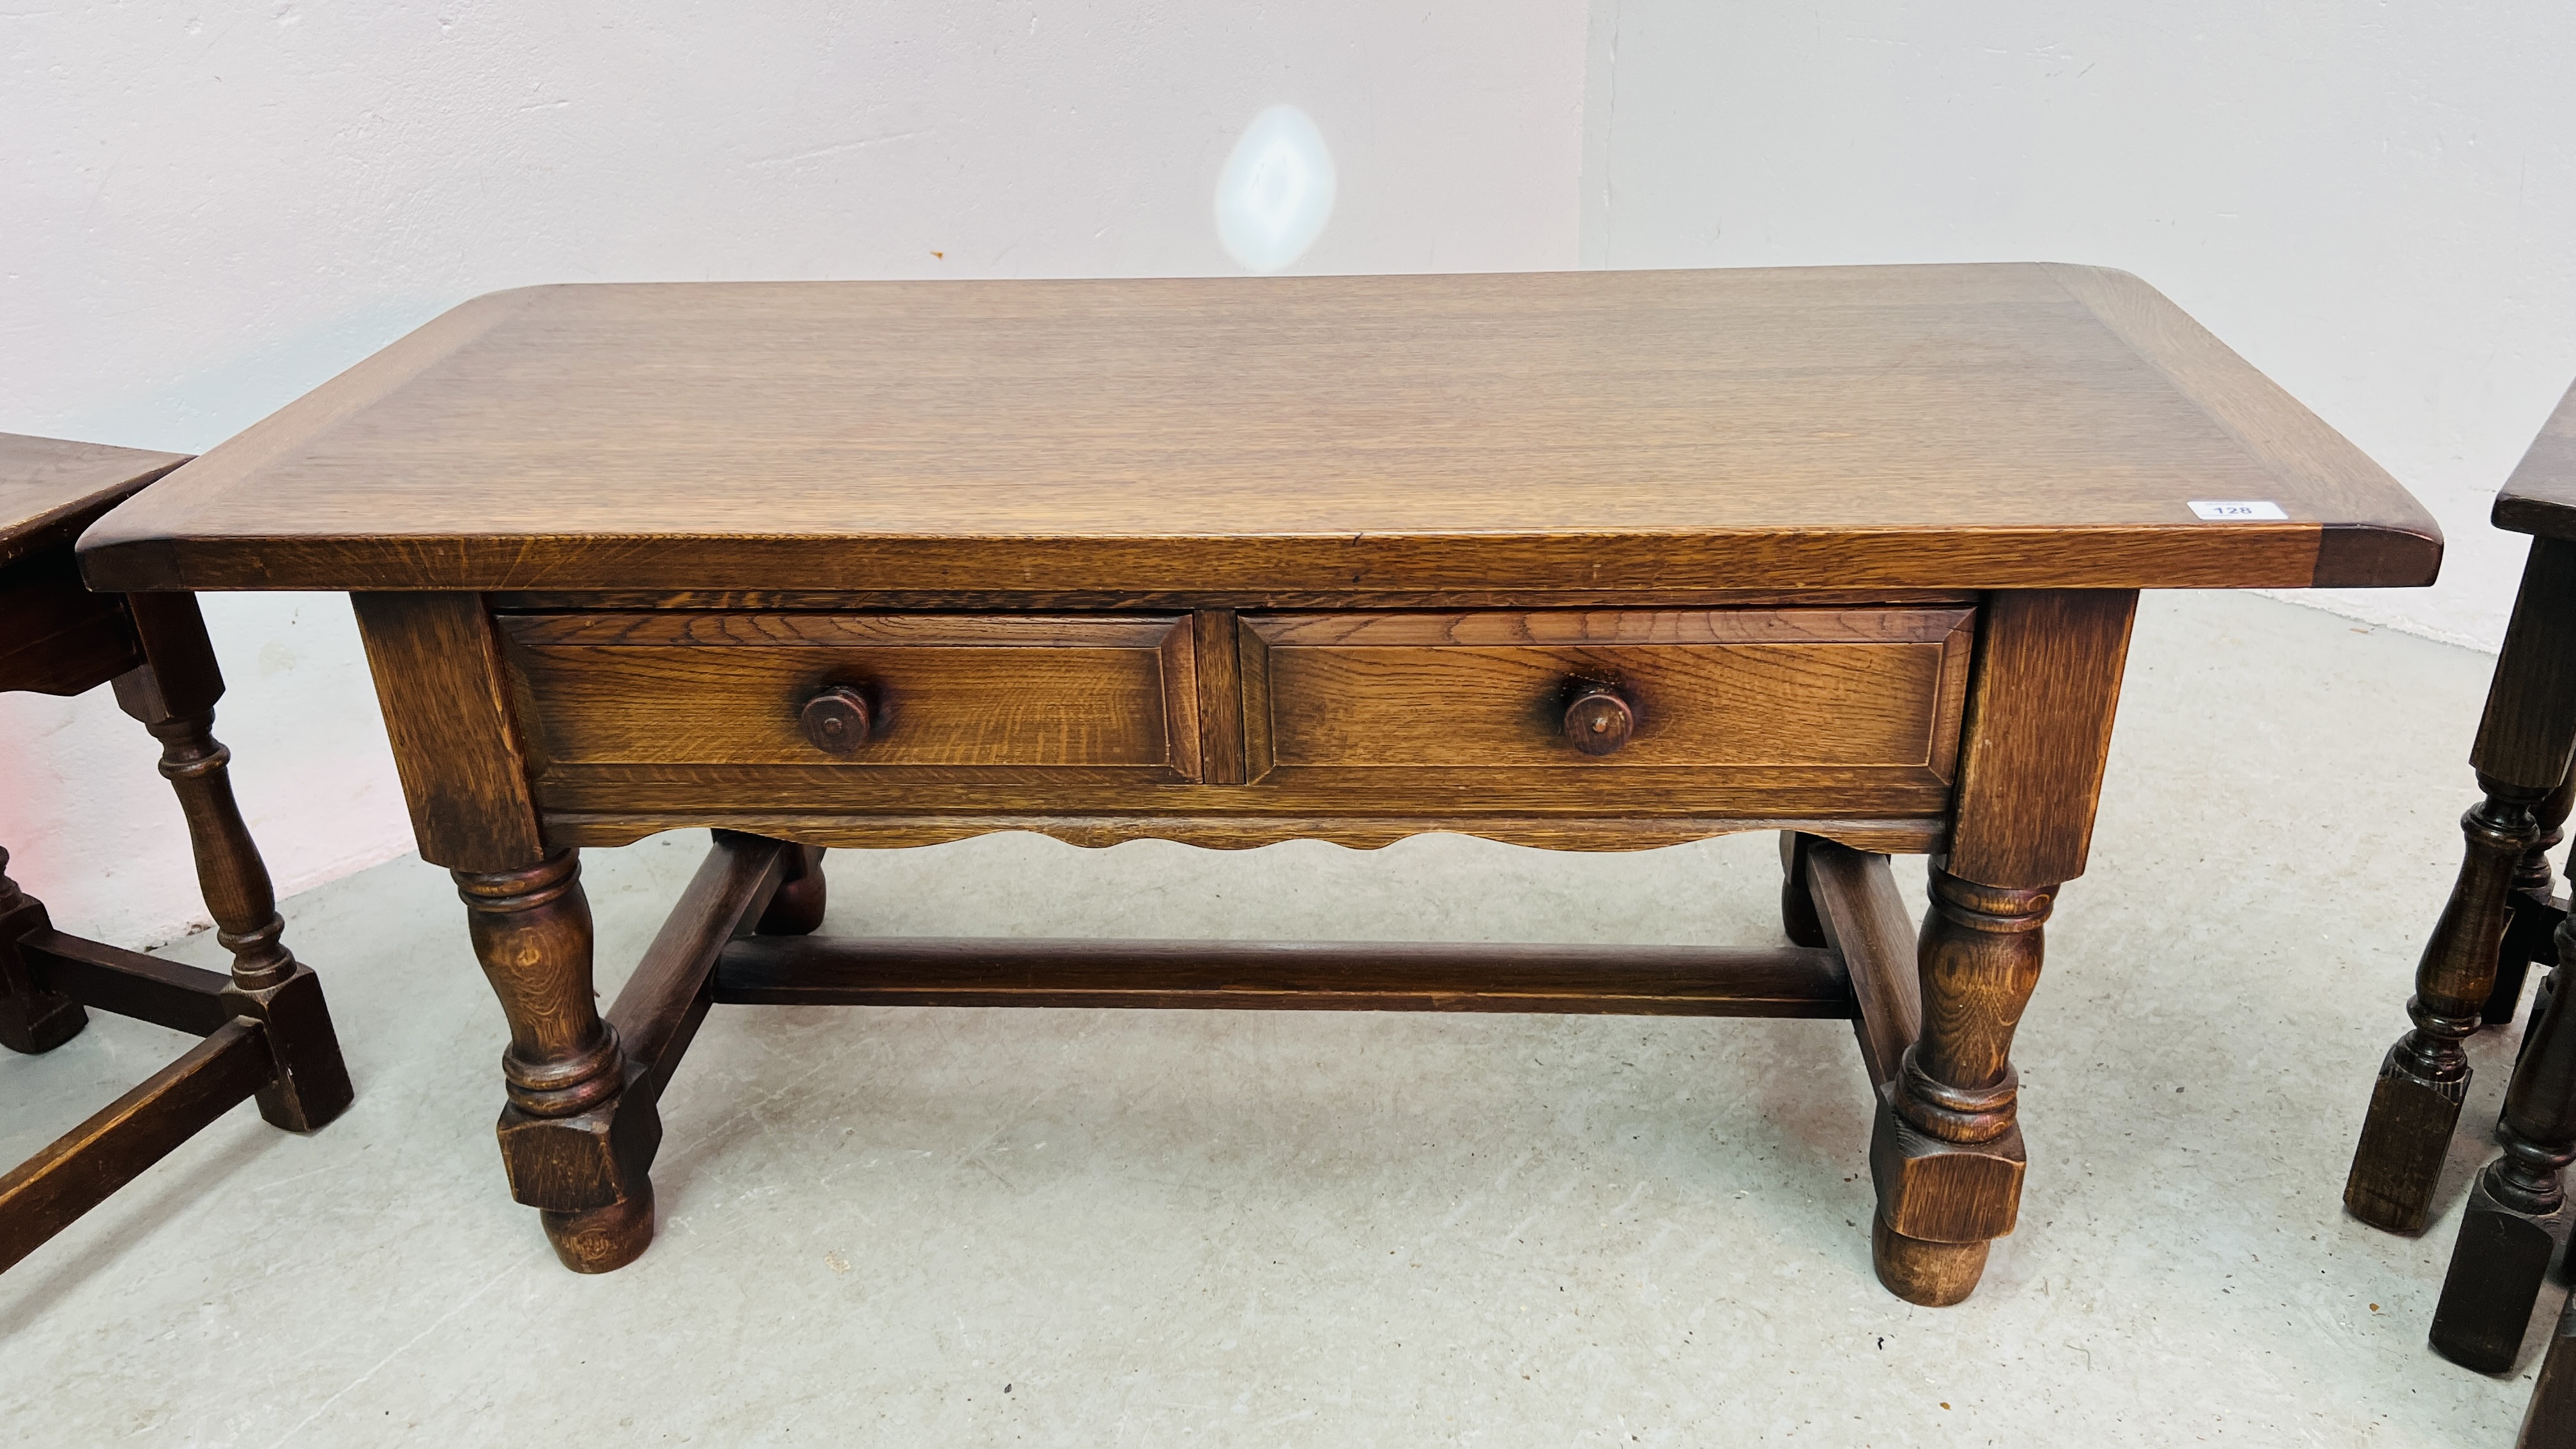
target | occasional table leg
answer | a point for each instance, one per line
(1797, 903)
(569, 1150)
(2531, 878)
(174, 695)
(32, 1019)
(2521, 758)
(2425, 1076)
(2550, 1422)
(1947, 1152)
(797, 908)
(2517, 1215)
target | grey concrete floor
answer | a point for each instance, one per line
(885, 1226)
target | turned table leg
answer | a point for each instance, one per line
(2532, 880)
(2517, 1214)
(2425, 1076)
(2521, 758)
(1947, 1152)
(569, 1151)
(173, 695)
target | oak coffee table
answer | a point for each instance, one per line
(1594, 561)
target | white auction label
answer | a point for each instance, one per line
(2230, 509)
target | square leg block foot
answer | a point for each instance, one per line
(2497, 1268)
(311, 1088)
(1943, 1192)
(2398, 1162)
(34, 1022)
(586, 1162)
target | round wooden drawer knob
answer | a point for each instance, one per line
(837, 720)
(1599, 721)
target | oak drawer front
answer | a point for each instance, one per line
(941, 696)
(1741, 694)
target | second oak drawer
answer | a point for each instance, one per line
(1777, 688)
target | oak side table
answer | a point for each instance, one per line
(267, 1032)
(2500, 919)
(1592, 561)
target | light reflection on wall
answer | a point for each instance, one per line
(1276, 191)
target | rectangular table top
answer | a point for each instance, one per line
(2540, 497)
(48, 485)
(1816, 428)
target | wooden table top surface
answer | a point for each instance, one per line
(1858, 427)
(48, 483)
(2540, 497)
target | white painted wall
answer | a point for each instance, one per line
(204, 212)
(2375, 204)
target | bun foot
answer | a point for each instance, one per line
(603, 1240)
(1935, 1275)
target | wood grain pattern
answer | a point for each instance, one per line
(1789, 688)
(1294, 975)
(2305, 456)
(532, 931)
(2540, 497)
(128, 983)
(1864, 920)
(946, 691)
(2040, 709)
(454, 728)
(1946, 1151)
(1216, 665)
(1927, 427)
(2529, 726)
(1765, 796)
(52, 488)
(173, 696)
(1044, 600)
(659, 1008)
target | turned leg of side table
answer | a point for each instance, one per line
(569, 1151)
(2521, 758)
(174, 695)
(2518, 1214)
(2532, 886)
(2425, 1076)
